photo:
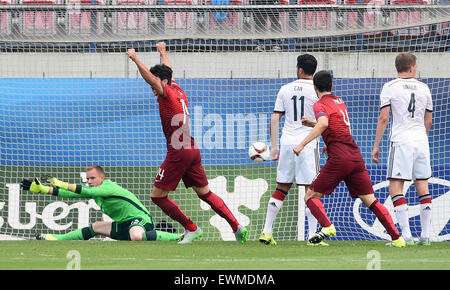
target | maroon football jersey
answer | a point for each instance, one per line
(173, 110)
(337, 136)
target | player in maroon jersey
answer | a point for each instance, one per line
(344, 162)
(183, 160)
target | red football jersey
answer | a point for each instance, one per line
(337, 136)
(173, 110)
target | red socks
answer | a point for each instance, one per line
(220, 208)
(170, 208)
(279, 194)
(385, 218)
(318, 211)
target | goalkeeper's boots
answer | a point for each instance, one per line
(424, 242)
(46, 237)
(324, 233)
(267, 239)
(189, 236)
(241, 235)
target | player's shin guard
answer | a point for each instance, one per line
(80, 234)
(170, 208)
(220, 208)
(385, 218)
(159, 236)
(318, 210)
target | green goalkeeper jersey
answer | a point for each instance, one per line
(115, 201)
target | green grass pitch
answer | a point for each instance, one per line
(207, 255)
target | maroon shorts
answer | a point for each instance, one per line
(353, 173)
(180, 164)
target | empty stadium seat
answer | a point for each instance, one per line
(224, 19)
(316, 20)
(178, 20)
(131, 22)
(38, 23)
(409, 17)
(80, 22)
(371, 18)
(5, 19)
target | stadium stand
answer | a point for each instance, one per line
(371, 19)
(409, 17)
(316, 20)
(227, 20)
(126, 23)
(5, 20)
(80, 23)
(38, 23)
(178, 20)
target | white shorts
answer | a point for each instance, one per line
(300, 169)
(409, 161)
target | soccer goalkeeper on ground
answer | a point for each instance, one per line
(131, 219)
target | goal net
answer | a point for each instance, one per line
(71, 98)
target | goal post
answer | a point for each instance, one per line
(71, 98)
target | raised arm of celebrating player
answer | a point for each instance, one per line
(150, 78)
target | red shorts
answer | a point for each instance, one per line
(180, 164)
(353, 173)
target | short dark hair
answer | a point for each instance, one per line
(323, 81)
(404, 61)
(163, 72)
(308, 63)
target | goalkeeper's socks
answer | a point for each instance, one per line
(385, 218)
(220, 208)
(80, 234)
(170, 208)
(318, 211)
(159, 236)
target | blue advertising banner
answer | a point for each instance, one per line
(115, 122)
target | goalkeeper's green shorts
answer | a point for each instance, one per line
(121, 231)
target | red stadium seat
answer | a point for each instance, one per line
(316, 20)
(443, 29)
(35, 23)
(224, 19)
(371, 17)
(5, 20)
(178, 20)
(408, 18)
(80, 22)
(131, 22)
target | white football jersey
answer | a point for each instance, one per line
(408, 98)
(296, 99)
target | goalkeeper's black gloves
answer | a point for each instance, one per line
(34, 186)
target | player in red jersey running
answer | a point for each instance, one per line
(344, 162)
(183, 159)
